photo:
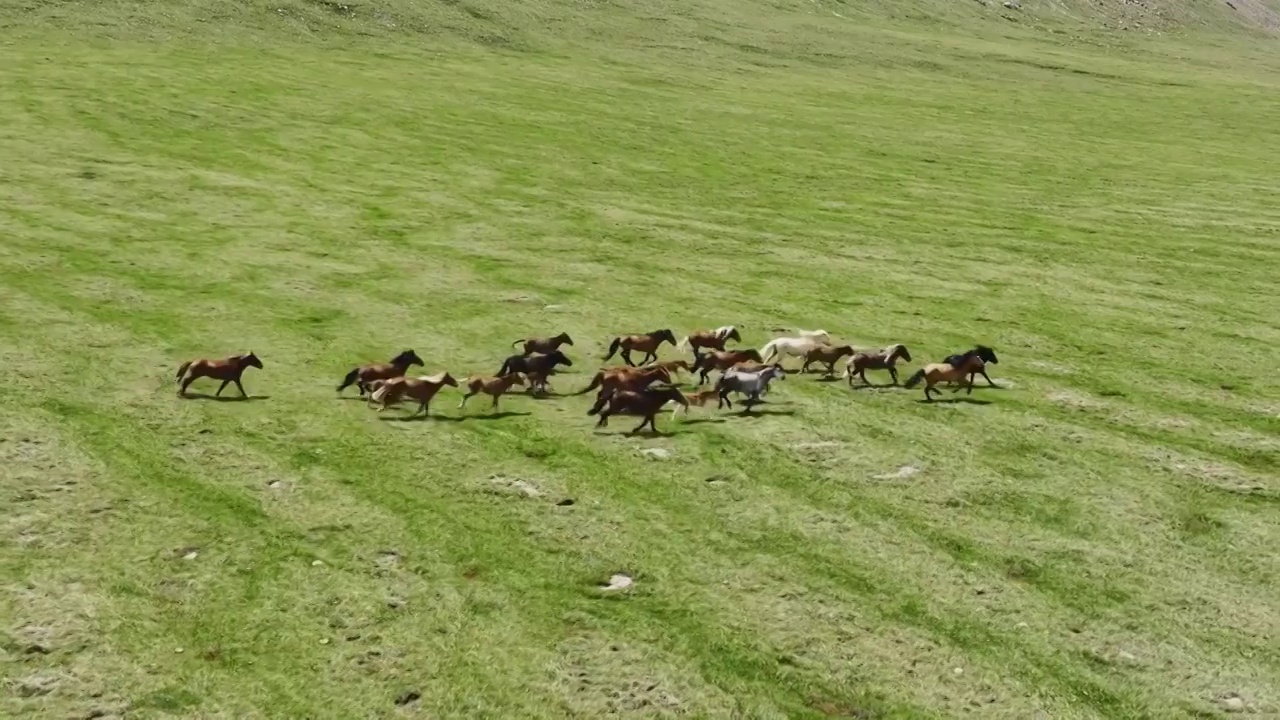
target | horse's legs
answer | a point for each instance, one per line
(465, 398)
(831, 368)
(186, 383)
(990, 382)
(893, 373)
(626, 356)
(240, 388)
(724, 400)
(494, 406)
(222, 387)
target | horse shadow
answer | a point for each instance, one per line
(828, 379)
(762, 413)
(225, 398)
(880, 387)
(699, 421)
(483, 416)
(955, 401)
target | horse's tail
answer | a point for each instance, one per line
(349, 379)
(684, 344)
(596, 382)
(182, 369)
(518, 342)
(506, 368)
(380, 393)
(613, 347)
(600, 402)
(915, 379)
(768, 350)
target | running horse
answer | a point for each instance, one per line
(703, 364)
(491, 386)
(647, 403)
(648, 343)
(983, 371)
(611, 380)
(714, 339)
(954, 370)
(422, 389)
(884, 359)
(544, 345)
(829, 354)
(365, 374)
(227, 370)
(797, 346)
(537, 367)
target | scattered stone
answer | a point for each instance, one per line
(518, 485)
(395, 603)
(1022, 626)
(717, 479)
(656, 453)
(278, 485)
(1127, 656)
(619, 581)
(901, 473)
(957, 671)
(565, 502)
(324, 641)
(1232, 702)
(388, 557)
(407, 697)
(553, 308)
(187, 553)
(1013, 4)
(191, 555)
(317, 563)
(179, 651)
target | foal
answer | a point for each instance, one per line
(227, 370)
(714, 339)
(544, 345)
(647, 343)
(492, 386)
(885, 359)
(828, 354)
(366, 374)
(954, 370)
(421, 389)
(647, 402)
(721, 360)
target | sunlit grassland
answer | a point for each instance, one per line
(1096, 538)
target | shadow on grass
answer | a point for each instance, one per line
(224, 398)
(762, 413)
(482, 416)
(699, 421)
(954, 401)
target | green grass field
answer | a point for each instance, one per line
(1093, 193)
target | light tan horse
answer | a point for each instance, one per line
(421, 389)
(824, 353)
(491, 386)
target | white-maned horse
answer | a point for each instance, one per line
(796, 346)
(709, 339)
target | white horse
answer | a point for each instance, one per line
(751, 384)
(716, 337)
(794, 346)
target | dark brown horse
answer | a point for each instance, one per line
(647, 403)
(421, 389)
(544, 345)
(828, 354)
(625, 378)
(721, 360)
(714, 339)
(363, 375)
(885, 359)
(955, 369)
(647, 343)
(536, 367)
(227, 370)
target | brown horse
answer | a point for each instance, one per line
(955, 369)
(421, 389)
(700, 398)
(828, 354)
(544, 345)
(610, 380)
(714, 339)
(982, 371)
(492, 386)
(365, 374)
(721, 360)
(227, 370)
(647, 343)
(885, 359)
(647, 402)
(674, 366)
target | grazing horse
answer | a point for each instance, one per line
(982, 371)
(227, 370)
(421, 389)
(647, 402)
(721, 360)
(614, 379)
(544, 345)
(750, 384)
(647, 343)
(366, 374)
(492, 386)
(537, 367)
(885, 359)
(794, 346)
(828, 354)
(714, 339)
(955, 369)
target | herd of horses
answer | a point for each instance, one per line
(642, 389)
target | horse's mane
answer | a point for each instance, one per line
(722, 332)
(434, 379)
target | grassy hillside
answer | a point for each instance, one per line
(1095, 538)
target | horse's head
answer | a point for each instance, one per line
(665, 335)
(563, 338)
(775, 371)
(250, 360)
(986, 354)
(559, 358)
(901, 351)
(408, 358)
(752, 354)
(445, 378)
(661, 374)
(667, 393)
(843, 350)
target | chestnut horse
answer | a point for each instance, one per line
(955, 369)
(828, 354)
(647, 402)
(544, 345)
(365, 374)
(885, 359)
(647, 343)
(714, 339)
(983, 371)
(700, 398)
(674, 366)
(491, 386)
(721, 360)
(421, 389)
(611, 379)
(227, 370)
